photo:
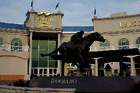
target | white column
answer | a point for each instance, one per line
(92, 69)
(38, 71)
(43, 71)
(26, 71)
(48, 71)
(132, 63)
(96, 66)
(59, 64)
(133, 69)
(30, 56)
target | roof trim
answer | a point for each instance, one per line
(120, 17)
(4, 25)
(21, 28)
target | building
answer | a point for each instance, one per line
(42, 32)
(121, 32)
(14, 55)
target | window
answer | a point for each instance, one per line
(105, 45)
(138, 42)
(1, 42)
(16, 45)
(123, 43)
(43, 47)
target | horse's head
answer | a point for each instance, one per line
(99, 37)
(89, 39)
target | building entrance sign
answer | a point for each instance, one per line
(126, 24)
(44, 21)
(86, 84)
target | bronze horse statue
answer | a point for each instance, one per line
(76, 51)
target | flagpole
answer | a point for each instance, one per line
(57, 6)
(94, 11)
(32, 5)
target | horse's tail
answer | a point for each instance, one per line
(49, 54)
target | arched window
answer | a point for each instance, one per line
(16, 45)
(1, 42)
(123, 43)
(105, 45)
(138, 42)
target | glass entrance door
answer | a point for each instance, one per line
(43, 66)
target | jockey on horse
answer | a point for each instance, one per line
(77, 49)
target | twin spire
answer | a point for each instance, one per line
(32, 5)
(57, 6)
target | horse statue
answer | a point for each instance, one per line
(66, 47)
(76, 51)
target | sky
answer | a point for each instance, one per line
(76, 12)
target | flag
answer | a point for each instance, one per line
(94, 11)
(57, 5)
(32, 3)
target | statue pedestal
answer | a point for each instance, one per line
(86, 84)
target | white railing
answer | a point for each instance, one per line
(45, 71)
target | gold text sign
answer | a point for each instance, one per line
(127, 24)
(44, 22)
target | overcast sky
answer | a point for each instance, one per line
(76, 12)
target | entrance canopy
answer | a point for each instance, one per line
(116, 55)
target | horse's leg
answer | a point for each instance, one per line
(85, 54)
(84, 65)
(81, 63)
